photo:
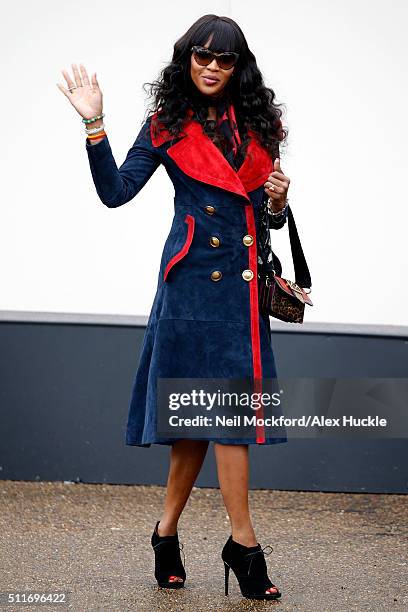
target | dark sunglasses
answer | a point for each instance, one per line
(204, 56)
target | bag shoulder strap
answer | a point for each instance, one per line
(302, 274)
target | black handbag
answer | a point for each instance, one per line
(278, 296)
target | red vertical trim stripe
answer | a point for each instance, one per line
(254, 316)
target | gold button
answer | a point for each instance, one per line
(248, 240)
(214, 241)
(209, 210)
(216, 275)
(247, 275)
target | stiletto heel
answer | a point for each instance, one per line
(227, 568)
(167, 560)
(249, 566)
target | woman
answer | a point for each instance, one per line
(215, 128)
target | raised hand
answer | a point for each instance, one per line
(86, 98)
(276, 187)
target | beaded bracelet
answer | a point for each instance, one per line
(95, 130)
(97, 133)
(278, 212)
(92, 119)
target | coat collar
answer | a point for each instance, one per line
(197, 156)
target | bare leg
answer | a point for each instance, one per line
(233, 476)
(186, 459)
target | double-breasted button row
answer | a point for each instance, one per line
(248, 240)
(247, 275)
(214, 241)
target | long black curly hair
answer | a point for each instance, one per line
(174, 92)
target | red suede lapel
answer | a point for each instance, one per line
(197, 156)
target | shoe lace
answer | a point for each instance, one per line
(256, 552)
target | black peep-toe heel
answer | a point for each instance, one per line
(167, 560)
(249, 566)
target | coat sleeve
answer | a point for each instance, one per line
(116, 186)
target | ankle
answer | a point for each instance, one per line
(244, 537)
(166, 528)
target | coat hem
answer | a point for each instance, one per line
(250, 441)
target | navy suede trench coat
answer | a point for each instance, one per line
(205, 320)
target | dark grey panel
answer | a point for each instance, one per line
(65, 383)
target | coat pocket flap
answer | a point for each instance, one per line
(182, 252)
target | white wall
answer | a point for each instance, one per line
(337, 66)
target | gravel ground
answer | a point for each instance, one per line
(331, 551)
